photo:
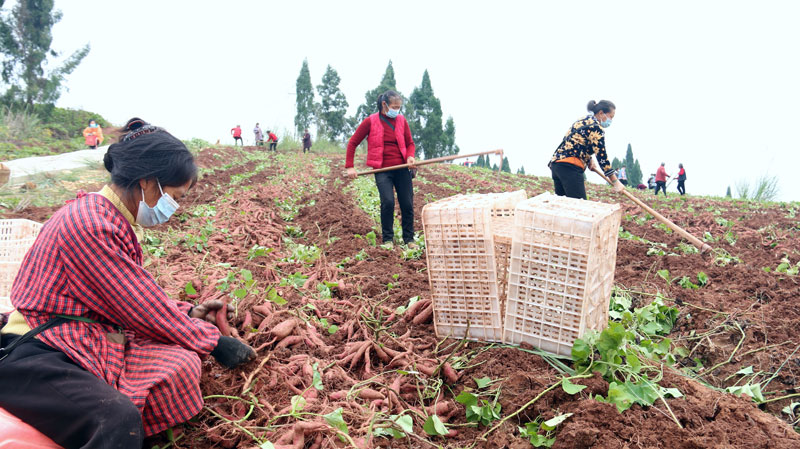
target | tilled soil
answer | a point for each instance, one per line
(254, 402)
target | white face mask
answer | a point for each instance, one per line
(150, 216)
(392, 113)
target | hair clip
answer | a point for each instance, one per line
(146, 129)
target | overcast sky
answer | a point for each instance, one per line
(712, 84)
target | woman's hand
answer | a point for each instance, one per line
(410, 161)
(351, 172)
(207, 311)
(618, 187)
(592, 165)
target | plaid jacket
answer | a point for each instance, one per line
(87, 262)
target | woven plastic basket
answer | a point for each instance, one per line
(16, 238)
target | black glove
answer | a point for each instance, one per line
(232, 352)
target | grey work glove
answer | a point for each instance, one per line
(231, 352)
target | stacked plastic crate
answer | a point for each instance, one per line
(16, 237)
(563, 257)
(463, 264)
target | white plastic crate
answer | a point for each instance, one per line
(462, 263)
(16, 238)
(563, 257)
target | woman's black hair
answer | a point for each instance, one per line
(90, 121)
(145, 152)
(602, 106)
(387, 96)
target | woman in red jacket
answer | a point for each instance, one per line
(389, 144)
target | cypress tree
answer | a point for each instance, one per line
(305, 99)
(521, 170)
(480, 162)
(506, 167)
(728, 193)
(371, 97)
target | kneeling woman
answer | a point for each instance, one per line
(96, 354)
(389, 143)
(585, 138)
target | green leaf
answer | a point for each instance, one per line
(190, 289)
(247, 275)
(317, 379)
(702, 278)
(581, 351)
(789, 409)
(664, 274)
(240, 293)
(611, 338)
(552, 423)
(335, 420)
(542, 441)
(483, 382)
(434, 426)
(298, 403)
(405, 422)
(332, 329)
(671, 392)
(746, 370)
(272, 295)
(467, 398)
(267, 445)
(571, 388)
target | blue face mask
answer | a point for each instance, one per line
(93, 125)
(606, 123)
(393, 113)
(151, 216)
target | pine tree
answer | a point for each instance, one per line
(371, 97)
(424, 114)
(521, 170)
(25, 39)
(494, 167)
(332, 107)
(480, 162)
(616, 164)
(728, 193)
(305, 99)
(506, 167)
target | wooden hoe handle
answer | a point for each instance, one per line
(703, 247)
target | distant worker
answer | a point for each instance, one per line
(681, 180)
(389, 143)
(306, 141)
(259, 135)
(661, 179)
(237, 135)
(622, 174)
(272, 140)
(584, 139)
(93, 135)
(651, 181)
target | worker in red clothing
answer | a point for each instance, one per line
(389, 143)
(681, 180)
(237, 135)
(272, 140)
(96, 354)
(661, 179)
